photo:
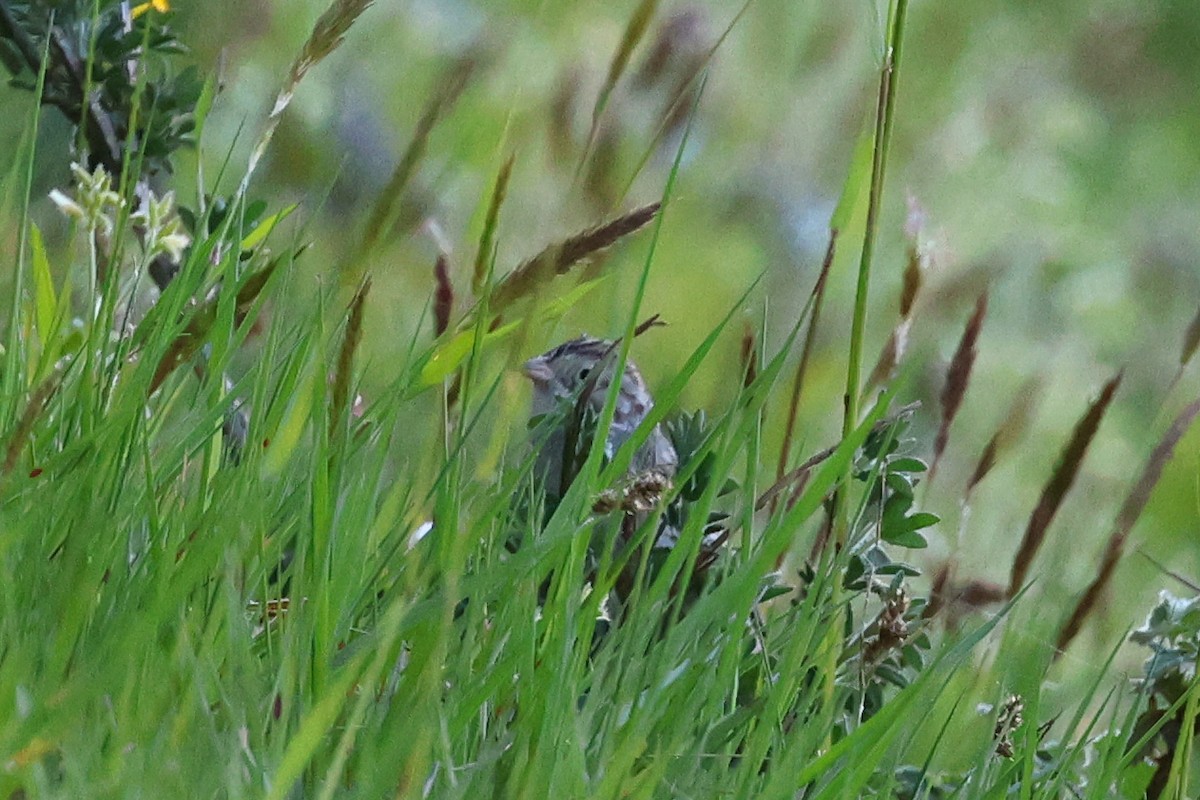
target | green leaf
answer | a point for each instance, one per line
(265, 227)
(43, 286)
(907, 464)
(922, 519)
(857, 178)
(909, 539)
(448, 357)
(295, 421)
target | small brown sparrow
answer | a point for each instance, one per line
(561, 374)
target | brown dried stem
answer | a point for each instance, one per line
(189, 341)
(958, 376)
(386, 209)
(443, 295)
(37, 404)
(1009, 431)
(1059, 484)
(818, 298)
(1131, 509)
(635, 30)
(345, 364)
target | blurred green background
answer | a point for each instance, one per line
(1048, 151)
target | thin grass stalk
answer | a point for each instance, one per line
(818, 298)
(13, 367)
(859, 321)
(885, 110)
(680, 95)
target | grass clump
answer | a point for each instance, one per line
(224, 576)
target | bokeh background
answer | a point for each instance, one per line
(1049, 152)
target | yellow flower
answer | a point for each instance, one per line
(161, 6)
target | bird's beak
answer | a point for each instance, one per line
(538, 371)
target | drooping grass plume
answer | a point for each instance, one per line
(958, 376)
(897, 343)
(937, 589)
(327, 35)
(1127, 517)
(1016, 420)
(915, 259)
(679, 38)
(487, 237)
(344, 373)
(952, 598)
(387, 206)
(682, 99)
(1059, 484)
(561, 256)
(635, 30)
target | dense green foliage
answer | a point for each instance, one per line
(262, 535)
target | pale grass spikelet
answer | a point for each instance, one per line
(326, 36)
(164, 232)
(95, 203)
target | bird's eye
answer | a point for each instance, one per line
(583, 373)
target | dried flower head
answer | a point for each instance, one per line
(646, 490)
(1007, 721)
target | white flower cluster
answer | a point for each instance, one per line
(96, 205)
